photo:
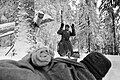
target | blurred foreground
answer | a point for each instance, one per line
(113, 74)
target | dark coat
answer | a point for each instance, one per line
(58, 69)
(93, 67)
(65, 45)
(66, 69)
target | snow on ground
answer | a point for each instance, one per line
(113, 73)
(16, 57)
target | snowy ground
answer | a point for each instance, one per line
(3, 51)
(113, 74)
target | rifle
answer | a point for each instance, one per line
(61, 16)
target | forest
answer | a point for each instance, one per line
(97, 27)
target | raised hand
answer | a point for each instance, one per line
(72, 26)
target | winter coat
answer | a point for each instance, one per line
(93, 67)
(59, 69)
(65, 45)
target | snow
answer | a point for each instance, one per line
(7, 33)
(16, 57)
(5, 25)
(114, 72)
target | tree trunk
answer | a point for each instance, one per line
(114, 31)
(89, 42)
(89, 35)
(114, 35)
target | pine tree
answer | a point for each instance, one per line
(24, 32)
(87, 27)
(112, 17)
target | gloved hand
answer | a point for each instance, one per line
(72, 26)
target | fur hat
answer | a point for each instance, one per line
(97, 64)
(42, 56)
(67, 25)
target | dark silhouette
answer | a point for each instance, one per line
(65, 46)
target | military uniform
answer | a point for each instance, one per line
(65, 45)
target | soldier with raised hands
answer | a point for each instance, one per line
(65, 46)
